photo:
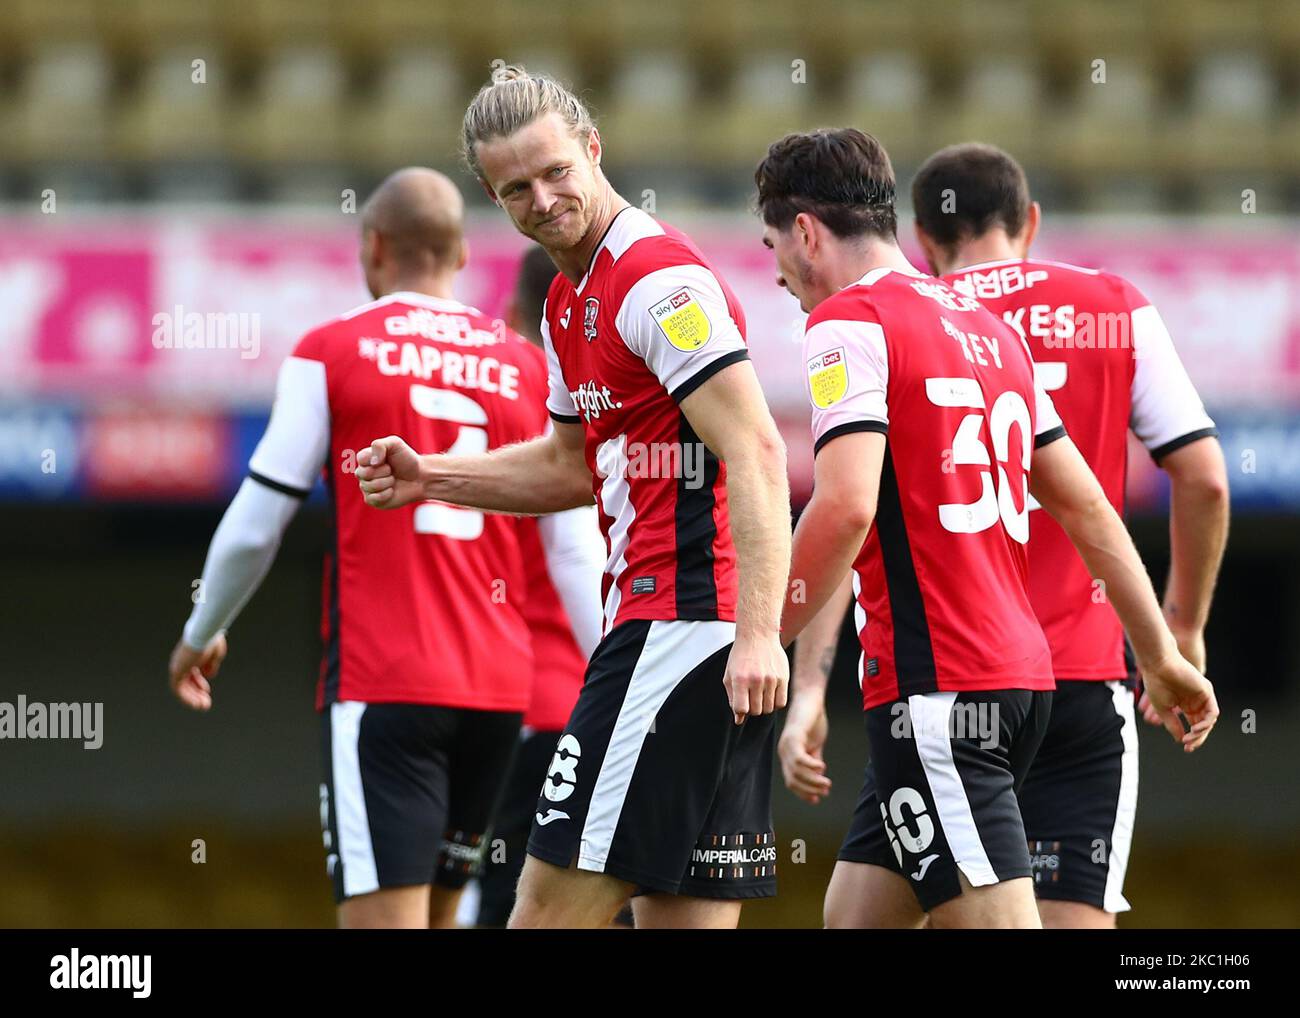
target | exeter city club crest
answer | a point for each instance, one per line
(589, 312)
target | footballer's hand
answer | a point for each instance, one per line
(389, 474)
(190, 669)
(800, 749)
(757, 675)
(1176, 690)
(1191, 644)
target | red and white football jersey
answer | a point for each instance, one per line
(648, 324)
(420, 603)
(1103, 353)
(940, 584)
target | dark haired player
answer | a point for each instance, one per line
(926, 422)
(1102, 351)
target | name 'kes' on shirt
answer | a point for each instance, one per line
(940, 583)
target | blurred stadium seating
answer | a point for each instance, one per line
(1191, 87)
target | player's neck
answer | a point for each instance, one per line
(994, 246)
(430, 286)
(575, 261)
(854, 263)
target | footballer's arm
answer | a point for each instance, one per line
(1198, 532)
(730, 416)
(282, 471)
(1064, 485)
(804, 735)
(832, 529)
(543, 475)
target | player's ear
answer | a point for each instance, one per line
(1032, 220)
(594, 148)
(462, 259)
(806, 230)
(374, 248)
(930, 249)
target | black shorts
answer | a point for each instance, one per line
(652, 781)
(1080, 797)
(409, 792)
(514, 819)
(940, 791)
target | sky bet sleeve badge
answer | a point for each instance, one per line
(682, 321)
(828, 378)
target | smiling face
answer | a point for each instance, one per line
(546, 179)
(794, 270)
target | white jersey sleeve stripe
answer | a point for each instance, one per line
(676, 319)
(559, 404)
(293, 449)
(847, 365)
(1167, 412)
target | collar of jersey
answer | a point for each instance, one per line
(411, 297)
(876, 275)
(604, 239)
(987, 265)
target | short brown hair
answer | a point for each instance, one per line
(842, 176)
(986, 187)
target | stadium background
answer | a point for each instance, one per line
(134, 180)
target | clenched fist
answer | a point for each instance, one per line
(389, 474)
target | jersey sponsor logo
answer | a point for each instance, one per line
(643, 585)
(734, 856)
(589, 312)
(682, 320)
(445, 328)
(564, 318)
(998, 282)
(562, 778)
(828, 378)
(944, 296)
(1045, 861)
(591, 401)
(551, 816)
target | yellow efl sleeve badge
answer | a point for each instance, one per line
(682, 321)
(828, 378)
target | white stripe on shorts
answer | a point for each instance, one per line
(672, 650)
(356, 852)
(930, 714)
(1121, 836)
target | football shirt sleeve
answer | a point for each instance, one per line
(1047, 422)
(1167, 413)
(240, 555)
(575, 562)
(559, 404)
(676, 319)
(848, 378)
(292, 452)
